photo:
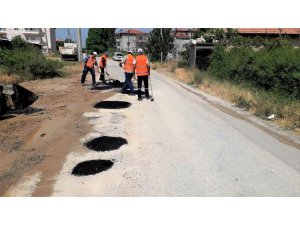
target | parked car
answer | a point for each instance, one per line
(118, 56)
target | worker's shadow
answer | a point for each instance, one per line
(127, 91)
(103, 87)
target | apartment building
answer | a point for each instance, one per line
(40, 36)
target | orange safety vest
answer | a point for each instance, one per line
(141, 68)
(90, 62)
(100, 61)
(128, 65)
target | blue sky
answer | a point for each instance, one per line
(62, 33)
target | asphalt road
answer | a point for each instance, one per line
(180, 145)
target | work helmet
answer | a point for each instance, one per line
(94, 53)
(140, 50)
(129, 51)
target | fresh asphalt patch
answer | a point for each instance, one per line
(105, 143)
(91, 167)
(112, 105)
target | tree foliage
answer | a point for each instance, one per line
(160, 40)
(100, 39)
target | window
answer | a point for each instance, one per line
(2, 29)
(16, 28)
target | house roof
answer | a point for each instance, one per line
(269, 30)
(183, 29)
(130, 31)
(182, 33)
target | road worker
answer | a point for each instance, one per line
(89, 63)
(142, 71)
(128, 63)
(102, 65)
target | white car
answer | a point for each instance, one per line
(118, 56)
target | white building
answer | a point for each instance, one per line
(131, 39)
(181, 36)
(40, 36)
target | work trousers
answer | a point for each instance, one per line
(128, 82)
(102, 74)
(84, 73)
(143, 79)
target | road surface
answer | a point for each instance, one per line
(179, 145)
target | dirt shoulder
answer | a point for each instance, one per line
(40, 138)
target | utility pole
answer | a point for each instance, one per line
(69, 35)
(161, 53)
(46, 36)
(128, 43)
(79, 45)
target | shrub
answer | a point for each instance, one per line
(182, 64)
(270, 69)
(27, 61)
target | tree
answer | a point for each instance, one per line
(160, 40)
(69, 40)
(100, 39)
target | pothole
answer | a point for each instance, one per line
(91, 167)
(112, 105)
(105, 143)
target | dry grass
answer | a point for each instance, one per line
(169, 66)
(72, 68)
(9, 79)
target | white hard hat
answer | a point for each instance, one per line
(94, 53)
(129, 51)
(140, 50)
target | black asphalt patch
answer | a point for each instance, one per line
(113, 82)
(103, 87)
(112, 105)
(91, 167)
(105, 143)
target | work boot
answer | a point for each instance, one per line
(82, 84)
(139, 99)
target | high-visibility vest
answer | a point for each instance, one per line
(90, 62)
(141, 68)
(100, 61)
(128, 65)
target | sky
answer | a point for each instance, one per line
(62, 33)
